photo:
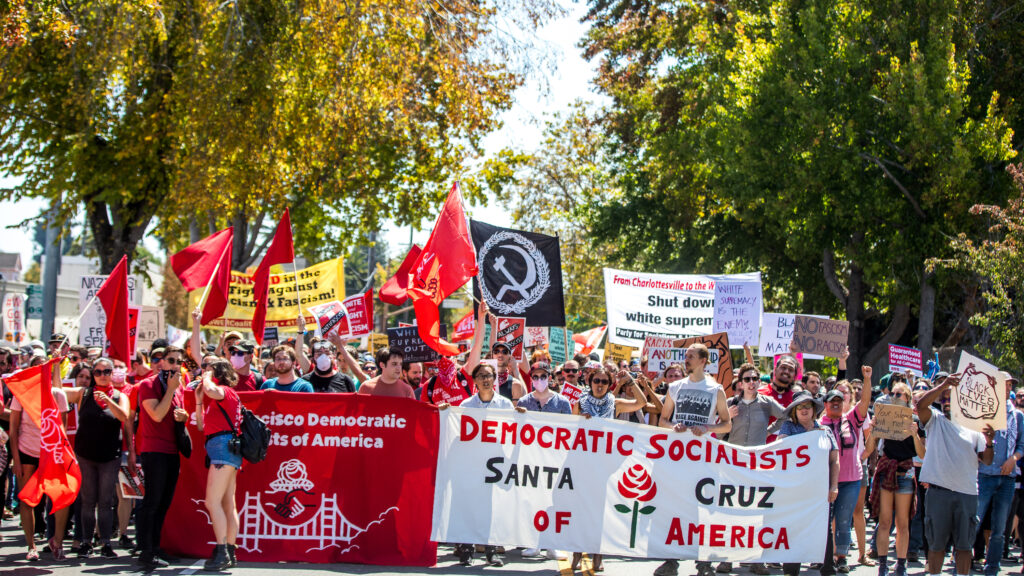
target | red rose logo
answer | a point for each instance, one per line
(637, 483)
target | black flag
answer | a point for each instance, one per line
(520, 274)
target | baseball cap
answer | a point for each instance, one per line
(540, 366)
(247, 346)
(832, 395)
(497, 345)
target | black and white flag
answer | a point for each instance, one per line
(520, 274)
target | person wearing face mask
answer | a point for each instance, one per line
(102, 409)
(324, 376)
(284, 357)
(240, 357)
(894, 488)
(119, 380)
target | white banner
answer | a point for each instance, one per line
(608, 486)
(641, 304)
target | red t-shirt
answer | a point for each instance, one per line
(246, 383)
(157, 436)
(213, 418)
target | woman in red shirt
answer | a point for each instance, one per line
(216, 401)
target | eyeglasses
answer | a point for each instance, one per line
(538, 377)
(804, 407)
(601, 381)
(172, 361)
(282, 358)
(321, 346)
(501, 351)
(238, 353)
(106, 372)
(157, 358)
(369, 368)
(750, 379)
(74, 358)
(570, 370)
(484, 377)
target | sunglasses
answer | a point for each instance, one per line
(157, 358)
(570, 370)
(106, 372)
(172, 361)
(74, 358)
(238, 353)
(369, 368)
(538, 377)
(750, 379)
(321, 347)
(484, 377)
(804, 407)
(600, 381)
(502, 351)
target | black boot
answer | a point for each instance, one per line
(219, 561)
(231, 555)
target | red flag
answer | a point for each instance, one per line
(113, 295)
(587, 341)
(395, 290)
(207, 263)
(281, 251)
(447, 262)
(58, 475)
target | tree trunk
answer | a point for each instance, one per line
(897, 326)
(926, 320)
(855, 316)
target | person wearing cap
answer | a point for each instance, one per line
(996, 479)
(508, 385)
(240, 357)
(541, 398)
(846, 428)
(389, 382)
(951, 471)
(324, 375)
(58, 345)
(227, 339)
(696, 404)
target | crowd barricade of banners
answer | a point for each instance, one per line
(597, 485)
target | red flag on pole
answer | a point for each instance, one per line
(395, 290)
(113, 295)
(281, 250)
(58, 475)
(447, 262)
(207, 264)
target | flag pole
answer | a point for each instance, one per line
(68, 327)
(209, 283)
(295, 273)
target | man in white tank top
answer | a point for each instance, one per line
(696, 403)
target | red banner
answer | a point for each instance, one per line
(347, 479)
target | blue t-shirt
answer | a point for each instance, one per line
(790, 428)
(299, 385)
(556, 404)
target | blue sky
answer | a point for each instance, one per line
(522, 127)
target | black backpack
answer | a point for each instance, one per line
(254, 435)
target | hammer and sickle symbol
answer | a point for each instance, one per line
(513, 283)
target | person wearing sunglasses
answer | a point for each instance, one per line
(102, 409)
(325, 376)
(240, 357)
(508, 385)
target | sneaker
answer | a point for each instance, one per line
(152, 563)
(84, 550)
(901, 570)
(531, 553)
(724, 567)
(557, 555)
(125, 542)
(667, 568)
(108, 552)
(705, 569)
(167, 557)
(760, 569)
(841, 566)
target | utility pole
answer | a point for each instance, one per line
(51, 270)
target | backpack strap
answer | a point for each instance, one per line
(226, 417)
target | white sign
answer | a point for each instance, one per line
(603, 485)
(777, 333)
(980, 396)
(91, 330)
(661, 353)
(641, 304)
(738, 308)
(536, 336)
(14, 318)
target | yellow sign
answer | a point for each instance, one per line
(317, 284)
(377, 341)
(617, 352)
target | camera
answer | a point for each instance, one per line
(235, 445)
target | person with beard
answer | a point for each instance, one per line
(412, 374)
(508, 385)
(571, 373)
(325, 376)
(780, 388)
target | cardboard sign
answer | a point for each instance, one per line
(130, 483)
(329, 317)
(661, 353)
(511, 331)
(902, 358)
(719, 358)
(151, 326)
(560, 338)
(92, 329)
(376, 342)
(617, 353)
(359, 321)
(414, 349)
(777, 333)
(738, 307)
(821, 335)
(980, 396)
(536, 336)
(890, 421)
(271, 337)
(572, 393)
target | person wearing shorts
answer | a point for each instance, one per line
(951, 471)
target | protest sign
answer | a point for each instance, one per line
(890, 421)
(611, 487)
(414, 349)
(359, 321)
(91, 330)
(738, 307)
(641, 304)
(617, 353)
(980, 396)
(317, 284)
(151, 326)
(536, 336)
(562, 347)
(511, 331)
(343, 481)
(572, 392)
(824, 336)
(329, 317)
(134, 313)
(271, 337)
(777, 333)
(34, 302)
(14, 318)
(902, 358)
(661, 353)
(464, 328)
(719, 357)
(376, 342)
(130, 483)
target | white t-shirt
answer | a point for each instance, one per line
(498, 402)
(695, 402)
(28, 433)
(951, 460)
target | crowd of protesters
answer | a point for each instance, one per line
(941, 488)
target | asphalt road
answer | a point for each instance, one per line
(13, 563)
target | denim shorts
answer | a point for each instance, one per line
(219, 453)
(905, 483)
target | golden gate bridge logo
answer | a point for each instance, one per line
(327, 527)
